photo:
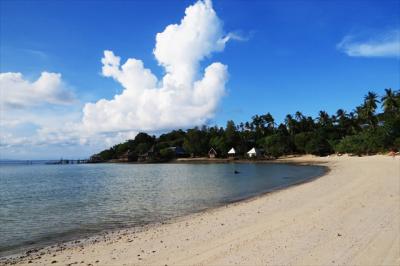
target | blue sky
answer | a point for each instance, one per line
(286, 56)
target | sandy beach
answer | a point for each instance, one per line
(350, 216)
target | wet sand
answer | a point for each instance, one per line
(350, 216)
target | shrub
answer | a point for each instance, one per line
(366, 142)
(167, 154)
(351, 144)
(276, 145)
(396, 143)
(318, 145)
(301, 140)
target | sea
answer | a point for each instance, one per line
(43, 204)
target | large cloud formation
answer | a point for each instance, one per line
(16, 91)
(185, 96)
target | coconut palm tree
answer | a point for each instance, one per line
(342, 121)
(290, 124)
(340, 114)
(269, 121)
(369, 107)
(323, 118)
(371, 101)
(389, 102)
(299, 116)
(353, 123)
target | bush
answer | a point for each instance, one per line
(318, 145)
(351, 144)
(396, 143)
(301, 140)
(366, 142)
(167, 154)
(276, 145)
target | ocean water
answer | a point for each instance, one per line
(44, 204)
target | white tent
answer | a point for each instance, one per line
(253, 152)
(212, 153)
(232, 151)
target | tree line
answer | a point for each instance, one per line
(362, 131)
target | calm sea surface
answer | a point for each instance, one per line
(43, 204)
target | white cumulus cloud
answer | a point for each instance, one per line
(16, 91)
(185, 96)
(386, 44)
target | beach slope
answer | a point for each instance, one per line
(350, 216)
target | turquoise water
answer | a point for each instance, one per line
(44, 204)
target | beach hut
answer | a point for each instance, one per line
(212, 153)
(253, 153)
(232, 153)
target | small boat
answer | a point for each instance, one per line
(236, 172)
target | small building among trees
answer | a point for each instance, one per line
(253, 153)
(212, 153)
(232, 153)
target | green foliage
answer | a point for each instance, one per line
(173, 138)
(142, 148)
(276, 145)
(351, 144)
(367, 142)
(107, 154)
(167, 154)
(219, 143)
(143, 138)
(364, 131)
(196, 142)
(301, 140)
(231, 136)
(396, 143)
(318, 145)
(121, 148)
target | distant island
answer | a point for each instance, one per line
(363, 131)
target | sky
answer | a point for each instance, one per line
(79, 76)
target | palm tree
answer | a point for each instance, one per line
(389, 101)
(341, 114)
(342, 121)
(299, 116)
(353, 123)
(323, 118)
(256, 121)
(371, 101)
(290, 124)
(370, 104)
(268, 121)
(241, 126)
(309, 124)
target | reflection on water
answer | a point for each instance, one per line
(40, 204)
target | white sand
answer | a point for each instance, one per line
(351, 216)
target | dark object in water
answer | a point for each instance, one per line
(237, 172)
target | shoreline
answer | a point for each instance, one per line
(20, 252)
(181, 228)
(205, 160)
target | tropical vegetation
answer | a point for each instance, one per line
(372, 127)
